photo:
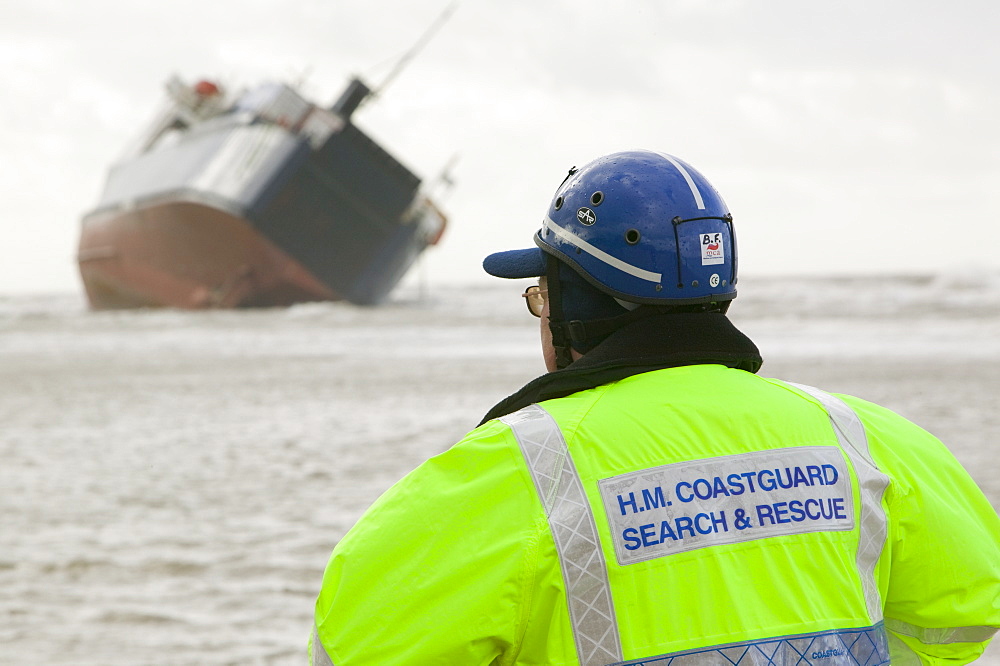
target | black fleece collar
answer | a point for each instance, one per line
(656, 342)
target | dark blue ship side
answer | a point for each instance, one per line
(263, 200)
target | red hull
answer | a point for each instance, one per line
(187, 255)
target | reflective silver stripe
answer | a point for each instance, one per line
(873, 529)
(588, 590)
(863, 646)
(600, 254)
(318, 654)
(942, 635)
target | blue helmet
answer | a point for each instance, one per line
(641, 226)
(644, 227)
(636, 228)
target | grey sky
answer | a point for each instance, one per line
(848, 137)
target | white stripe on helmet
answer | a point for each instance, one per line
(599, 254)
(694, 188)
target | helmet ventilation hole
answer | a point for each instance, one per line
(596, 198)
(632, 236)
(559, 202)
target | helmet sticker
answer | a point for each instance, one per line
(585, 216)
(714, 280)
(711, 249)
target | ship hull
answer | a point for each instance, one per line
(268, 201)
(187, 255)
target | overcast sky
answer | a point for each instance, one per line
(858, 136)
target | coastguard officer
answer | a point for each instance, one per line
(651, 500)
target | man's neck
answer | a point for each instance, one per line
(653, 343)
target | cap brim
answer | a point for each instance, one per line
(516, 263)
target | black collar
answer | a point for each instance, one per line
(656, 342)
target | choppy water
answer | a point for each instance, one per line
(173, 482)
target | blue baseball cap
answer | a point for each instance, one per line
(514, 264)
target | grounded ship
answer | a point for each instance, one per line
(261, 200)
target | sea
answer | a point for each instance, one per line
(173, 482)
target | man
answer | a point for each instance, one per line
(651, 500)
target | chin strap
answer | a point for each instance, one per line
(558, 327)
(581, 331)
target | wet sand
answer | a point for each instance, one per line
(174, 482)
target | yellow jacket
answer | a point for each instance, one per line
(681, 516)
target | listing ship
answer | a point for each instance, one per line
(256, 200)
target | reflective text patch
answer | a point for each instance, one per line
(679, 507)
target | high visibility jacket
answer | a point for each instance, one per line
(690, 515)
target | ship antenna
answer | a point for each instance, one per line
(420, 44)
(444, 182)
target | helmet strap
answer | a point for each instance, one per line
(578, 331)
(558, 327)
(569, 332)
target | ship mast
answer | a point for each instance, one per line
(357, 91)
(405, 59)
